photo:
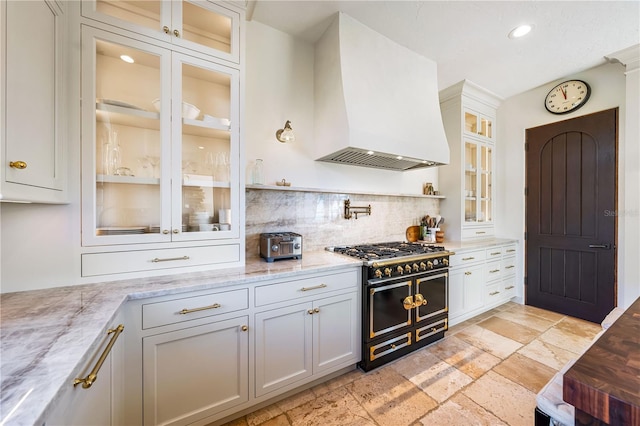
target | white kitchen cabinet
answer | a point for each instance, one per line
(302, 340)
(195, 372)
(100, 404)
(203, 26)
(480, 279)
(32, 91)
(161, 151)
(188, 356)
(468, 114)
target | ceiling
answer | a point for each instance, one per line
(468, 39)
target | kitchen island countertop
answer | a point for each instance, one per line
(47, 334)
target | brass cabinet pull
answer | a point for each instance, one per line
(313, 288)
(494, 271)
(204, 308)
(480, 232)
(509, 288)
(176, 33)
(316, 310)
(244, 328)
(468, 258)
(18, 165)
(468, 273)
(310, 311)
(511, 250)
(93, 376)
(166, 29)
(495, 253)
(509, 267)
(493, 293)
(165, 231)
(176, 231)
(169, 259)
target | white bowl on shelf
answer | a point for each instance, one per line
(188, 110)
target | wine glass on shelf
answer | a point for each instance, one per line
(155, 162)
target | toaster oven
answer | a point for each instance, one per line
(280, 245)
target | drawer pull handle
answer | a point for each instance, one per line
(493, 271)
(509, 267)
(480, 232)
(509, 288)
(493, 293)
(468, 273)
(204, 308)
(313, 288)
(468, 258)
(169, 259)
(88, 381)
(495, 253)
(511, 250)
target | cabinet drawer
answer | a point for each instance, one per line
(152, 260)
(509, 266)
(494, 253)
(494, 294)
(509, 287)
(295, 289)
(466, 257)
(492, 271)
(509, 250)
(485, 232)
(189, 308)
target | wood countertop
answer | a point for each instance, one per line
(604, 383)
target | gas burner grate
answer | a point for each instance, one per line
(387, 250)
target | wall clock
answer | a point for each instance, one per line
(567, 96)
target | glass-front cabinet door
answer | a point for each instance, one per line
(204, 26)
(478, 183)
(479, 125)
(158, 150)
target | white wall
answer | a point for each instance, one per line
(526, 110)
(279, 82)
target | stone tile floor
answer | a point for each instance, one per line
(486, 371)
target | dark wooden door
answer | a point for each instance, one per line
(571, 199)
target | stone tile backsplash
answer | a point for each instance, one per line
(319, 217)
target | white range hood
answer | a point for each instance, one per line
(376, 102)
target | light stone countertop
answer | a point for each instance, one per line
(470, 245)
(46, 335)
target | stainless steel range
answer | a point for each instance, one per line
(404, 298)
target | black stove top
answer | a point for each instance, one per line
(390, 250)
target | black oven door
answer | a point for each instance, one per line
(385, 307)
(434, 290)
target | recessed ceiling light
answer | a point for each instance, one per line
(370, 152)
(399, 157)
(520, 30)
(128, 59)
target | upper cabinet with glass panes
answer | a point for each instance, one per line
(201, 26)
(479, 125)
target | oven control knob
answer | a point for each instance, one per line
(407, 269)
(275, 248)
(387, 271)
(429, 264)
(378, 273)
(400, 269)
(423, 266)
(445, 262)
(296, 246)
(416, 268)
(436, 262)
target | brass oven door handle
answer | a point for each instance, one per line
(93, 376)
(407, 303)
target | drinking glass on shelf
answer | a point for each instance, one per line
(222, 167)
(112, 155)
(155, 162)
(145, 165)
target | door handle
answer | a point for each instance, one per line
(600, 246)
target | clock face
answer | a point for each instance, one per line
(567, 96)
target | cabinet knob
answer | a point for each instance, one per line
(176, 33)
(166, 29)
(244, 328)
(18, 165)
(310, 311)
(176, 231)
(467, 273)
(316, 310)
(165, 231)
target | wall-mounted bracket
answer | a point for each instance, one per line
(355, 211)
